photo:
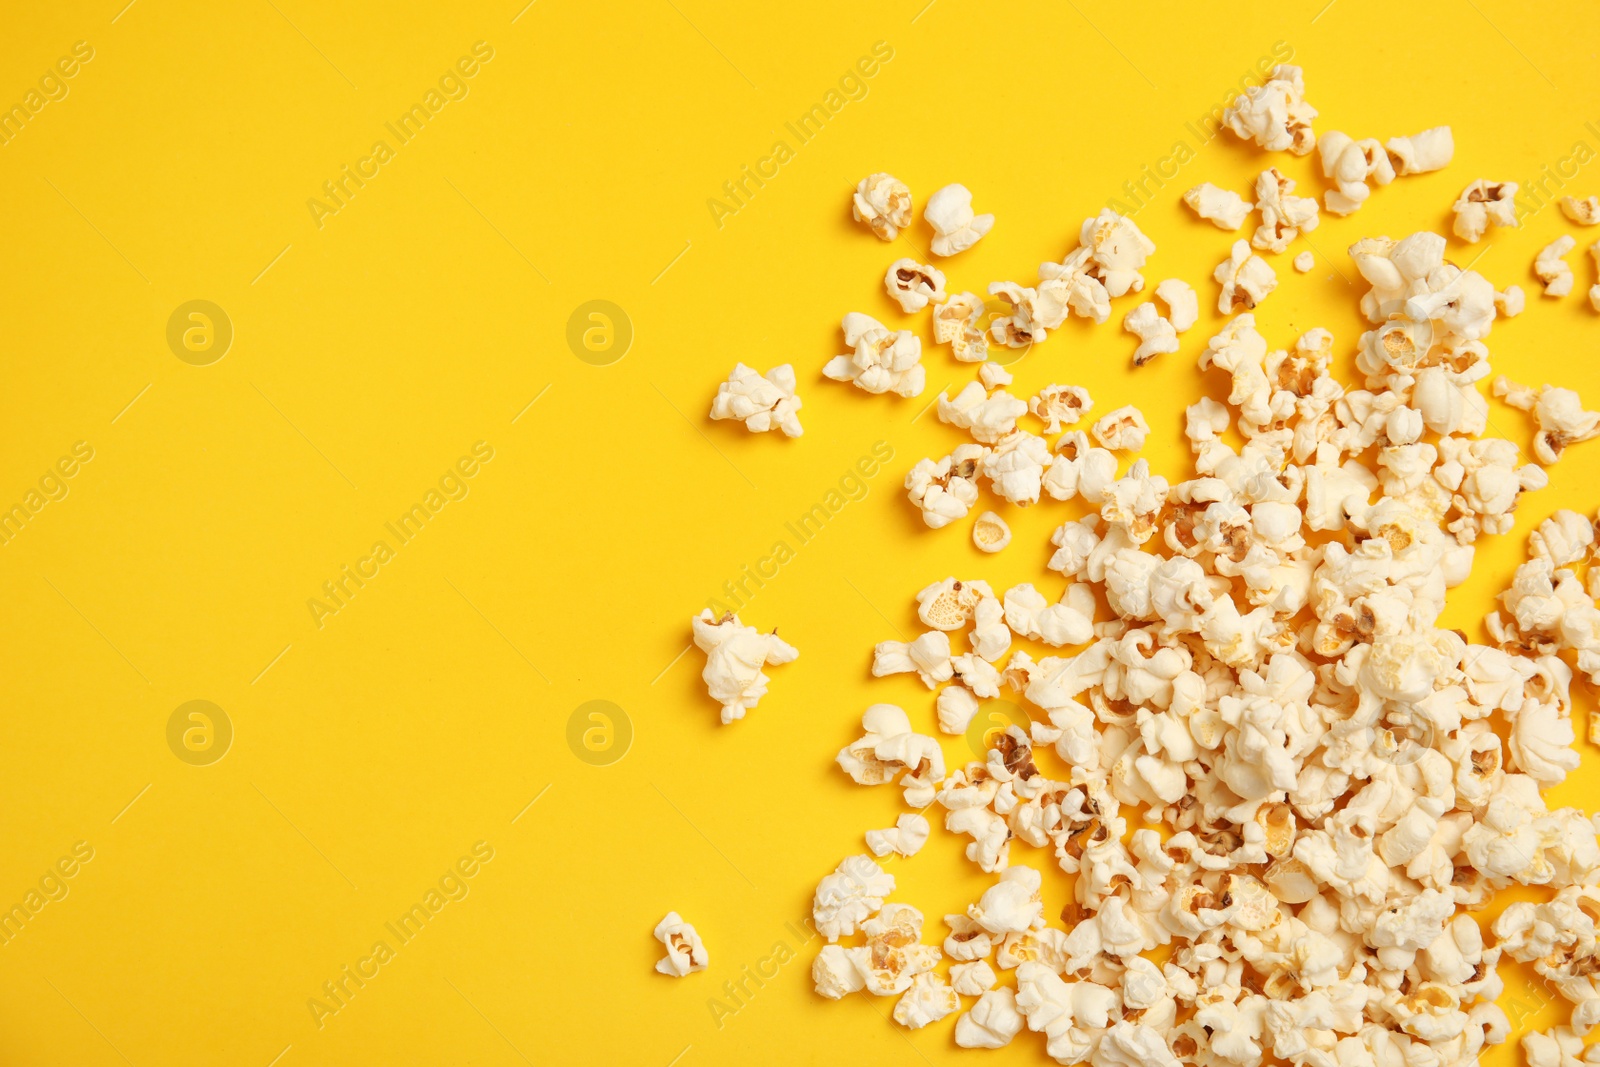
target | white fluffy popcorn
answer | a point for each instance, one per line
(928, 657)
(1350, 164)
(1156, 335)
(761, 402)
(905, 838)
(1483, 204)
(990, 533)
(881, 360)
(1246, 279)
(685, 953)
(929, 999)
(888, 749)
(1122, 430)
(957, 322)
(987, 417)
(1558, 412)
(1183, 305)
(1553, 272)
(991, 1023)
(945, 489)
(735, 656)
(1419, 153)
(1060, 406)
(1223, 208)
(1584, 211)
(949, 212)
(883, 203)
(912, 285)
(1275, 114)
(845, 899)
(1304, 262)
(994, 376)
(1283, 216)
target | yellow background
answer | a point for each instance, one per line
(371, 753)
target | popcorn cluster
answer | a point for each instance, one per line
(1277, 773)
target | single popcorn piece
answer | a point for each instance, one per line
(883, 360)
(972, 979)
(956, 322)
(1122, 430)
(987, 417)
(1482, 204)
(912, 285)
(906, 838)
(1558, 412)
(883, 202)
(735, 654)
(928, 657)
(1223, 208)
(1585, 212)
(762, 403)
(929, 999)
(1183, 305)
(990, 533)
(946, 489)
(1304, 262)
(1283, 217)
(887, 748)
(1350, 165)
(1118, 250)
(1275, 114)
(685, 953)
(1156, 335)
(1061, 405)
(853, 893)
(994, 376)
(949, 212)
(1419, 153)
(1246, 280)
(992, 1022)
(1553, 272)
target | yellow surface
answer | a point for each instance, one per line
(373, 752)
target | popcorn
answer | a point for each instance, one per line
(1559, 413)
(888, 747)
(1156, 334)
(928, 1000)
(1594, 290)
(1351, 164)
(735, 654)
(845, 899)
(955, 323)
(990, 533)
(928, 657)
(1420, 153)
(1585, 212)
(986, 417)
(950, 605)
(1223, 208)
(993, 376)
(882, 361)
(1061, 405)
(1482, 204)
(1552, 270)
(912, 285)
(972, 979)
(883, 202)
(909, 834)
(1122, 430)
(762, 403)
(1246, 279)
(949, 212)
(1283, 217)
(1012, 904)
(1304, 262)
(685, 953)
(946, 490)
(1117, 250)
(991, 1023)
(1275, 114)
(1016, 467)
(1183, 306)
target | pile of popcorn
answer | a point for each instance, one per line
(1284, 788)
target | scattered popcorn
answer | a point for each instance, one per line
(1558, 412)
(949, 212)
(909, 834)
(1420, 153)
(1350, 165)
(1482, 204)
(1585, 212)
(1223, 208)
(990, 533)
(1304, 262)
(1283, 217)
(1156, 335)
(1060, 406)
(1122, 430)
(1552, 270)
(883, 360)
(1246, 279)
(994, 376)
(761, 403)
(735, 654)
(685, 953)
(883, 202)
(1183, 306)
(912, 285)
(955, 323)
(1275, 114)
